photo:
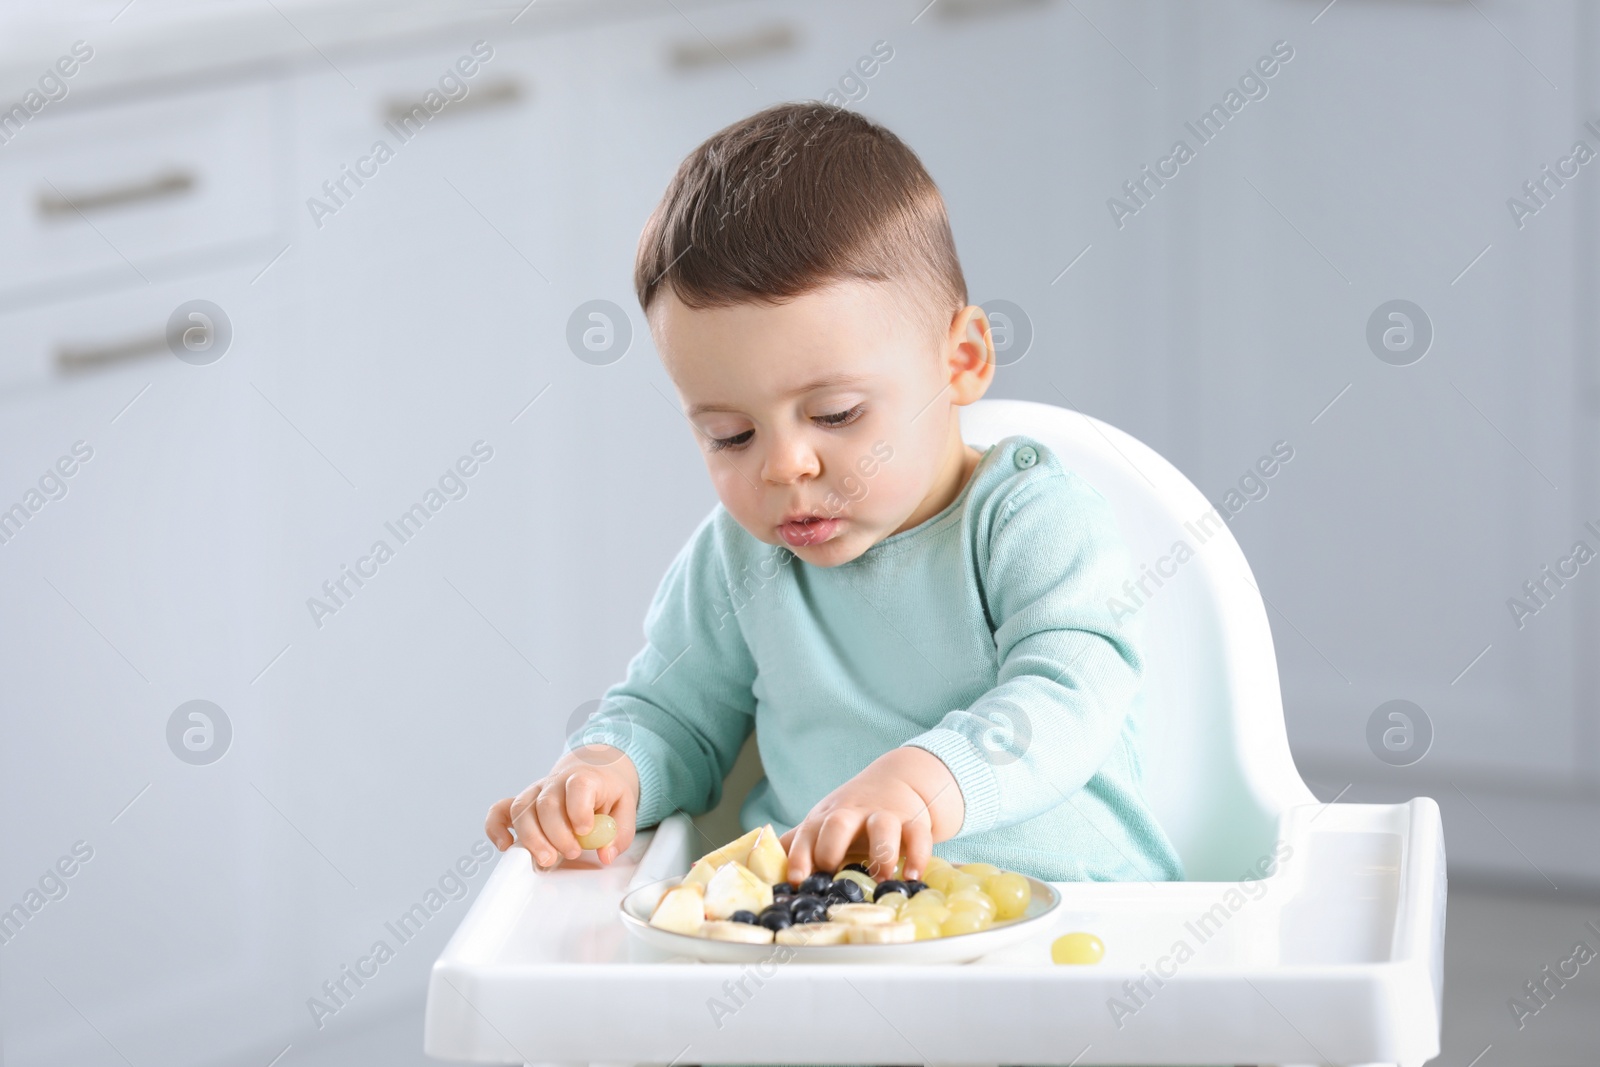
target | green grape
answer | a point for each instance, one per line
(978, 868)
(911, 909)
(961, 880)
(973, 898)
(964, 921)
(863, 880)
(1010, 892)
(604, 832)
(1077, 947)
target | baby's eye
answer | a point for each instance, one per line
(842, 418)
(719, 443)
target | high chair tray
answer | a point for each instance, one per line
(1334, 958)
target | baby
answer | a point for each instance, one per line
(917, 631)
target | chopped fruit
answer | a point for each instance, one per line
(863, 914)
(1011, 893)
(972, 898)
(933, 909)
(890, 933)
(817, 882)
(863, 880)
(891, 900)
(846, 889)
(965, 921)
(700, 874)
(740, 892)
(768, 861)
(1077, 947)
(681, 910)
(734, 888)
(809, 910)
(823, 933)
(961, 880)
(604, 832)
(737, 850)
(724, 930)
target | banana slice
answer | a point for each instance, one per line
(861, 914)
(890, 933)
(828, 933)
(728, 930)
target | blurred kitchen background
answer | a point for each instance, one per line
(225, 365)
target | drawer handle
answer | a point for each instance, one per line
(491, 94)
(960, 9)
(167, 183)
(76, 359)
(691, 55)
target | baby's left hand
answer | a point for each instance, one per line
(906, 797)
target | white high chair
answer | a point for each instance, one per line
(1335, 957)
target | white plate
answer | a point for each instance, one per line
(638, 905)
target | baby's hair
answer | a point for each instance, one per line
(792, 199)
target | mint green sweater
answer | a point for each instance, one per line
(982, 635)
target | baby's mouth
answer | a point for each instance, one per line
(810, 531)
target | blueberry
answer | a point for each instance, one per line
(862, 867)
(743, 916)
(775, 919)
(914, 886)
(847, 889)
(808, 910)
(890, 886)
(817, 883)
(785, 889)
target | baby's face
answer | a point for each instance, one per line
(831, 406)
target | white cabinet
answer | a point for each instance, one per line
(129, 577)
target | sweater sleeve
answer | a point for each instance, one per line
(1070, 664)
(686, 703)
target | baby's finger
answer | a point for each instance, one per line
(834, 838)
(580, 800)
(531, 837)
(800, 860)
(883, 843)
(498, 824)
(625, 812)
(552, 809)
(919, 847)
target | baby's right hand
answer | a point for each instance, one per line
(549, 815)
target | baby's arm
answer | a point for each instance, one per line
(1071, 663)
(665, 737)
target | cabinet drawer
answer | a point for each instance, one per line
(114, 191)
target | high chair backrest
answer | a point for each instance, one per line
(1217, 767)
